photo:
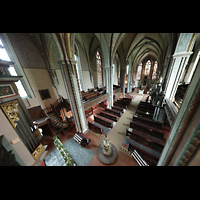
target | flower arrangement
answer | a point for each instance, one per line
(64, 153)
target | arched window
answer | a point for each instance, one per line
(139, 71)
(154, 70)
(4, 56)
(99, 69)
(147, 68)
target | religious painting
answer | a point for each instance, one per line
(6, 91)
(45, 94)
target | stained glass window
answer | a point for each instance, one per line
(147, 68)
(154, 70)
(139, 71)
(99, 69)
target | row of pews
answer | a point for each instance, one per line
(146, 135)
(92, 93)
(81, 139)
(109, 117)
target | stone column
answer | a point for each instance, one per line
(180, 59)
(122, 79)
(70, 79)
(182, 145)
(177, 68)
(130, 70)
(109, 85)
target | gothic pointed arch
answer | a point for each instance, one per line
(104, 48)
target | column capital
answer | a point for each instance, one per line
(62, 61)
(182, 54)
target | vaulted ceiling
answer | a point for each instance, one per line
(140, 45)
(136, 46)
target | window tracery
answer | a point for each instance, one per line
(147, 68)
(139, 71)
(154, 70)
(99, 69)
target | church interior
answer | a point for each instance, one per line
(99, 99)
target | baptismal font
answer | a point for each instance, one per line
(107, 152)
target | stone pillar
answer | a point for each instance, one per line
(122, 79)
(130, 70)
(70, 79)
(180, 59)
(183, 143)
(109, 85)
(192, 66)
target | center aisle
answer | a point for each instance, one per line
(117, 135)
(118, 132)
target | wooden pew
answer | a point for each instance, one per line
(145, 103)
(123, 102)
(145, 139)
(86, 94)
(114, 112)
(91, 90)
(90, 97)
(120, 105)
(104, 121)
(95, 128)
(146, 153)
(126, 99)
(148, 129)
(101, 89)
(109, 116)
(145, 110)
(149, 122)
(89, 112)
(144, 114)
(82, 139)
(147, 107)
(118, 108)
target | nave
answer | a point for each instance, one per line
(75, 86)
(117, 135)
